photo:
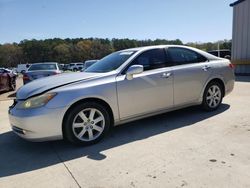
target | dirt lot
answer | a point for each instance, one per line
(185, 148)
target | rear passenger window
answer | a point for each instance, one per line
(151, 59)
(180, 56)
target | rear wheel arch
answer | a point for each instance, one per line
(97, 100)
(219, 81)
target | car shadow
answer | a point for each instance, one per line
(7, 95)
(20, 156)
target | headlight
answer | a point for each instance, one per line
(36, 102)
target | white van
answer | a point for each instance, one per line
(76, 66)
(22, 68)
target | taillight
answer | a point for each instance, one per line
(232, 66)
(25, 77)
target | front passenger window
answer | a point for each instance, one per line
(151, 59)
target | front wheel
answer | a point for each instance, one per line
(212, 96)
(86, 123)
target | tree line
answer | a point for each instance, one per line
(79, 49)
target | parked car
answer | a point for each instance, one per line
(88, 63)
(76, 66)
(61, 66)
(7, 80)
(65, 67)
(22, 68)
(124, 86)
(221, 53)
(41, 70)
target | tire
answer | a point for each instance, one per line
(212, 96)
(80, 128)
(74, 69)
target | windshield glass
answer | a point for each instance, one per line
(110, 62)
(36, 67)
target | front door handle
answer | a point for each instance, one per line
(166, 74)
(206, 68)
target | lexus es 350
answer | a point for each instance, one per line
(124, 86)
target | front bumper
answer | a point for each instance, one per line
(40, 124)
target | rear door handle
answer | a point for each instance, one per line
(206, 68)
(166, 74)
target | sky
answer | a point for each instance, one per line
(187, 20)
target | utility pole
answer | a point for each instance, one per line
(218, 48)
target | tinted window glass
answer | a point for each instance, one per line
(181, 56)
(44, 66)
(151, 59)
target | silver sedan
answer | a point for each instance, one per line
(124, 86)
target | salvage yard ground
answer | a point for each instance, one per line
(185, 148)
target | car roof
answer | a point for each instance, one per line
(144, 48)
(93, 60)
(44, 63)
(158, 46)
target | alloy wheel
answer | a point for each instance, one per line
(88, 124)
(213, 97)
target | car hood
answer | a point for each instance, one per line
(48, 83)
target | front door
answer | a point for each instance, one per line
(149, 91)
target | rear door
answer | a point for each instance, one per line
(191, 70)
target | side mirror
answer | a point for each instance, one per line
(134, 69)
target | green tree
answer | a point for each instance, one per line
(10, 55)
(62, 53)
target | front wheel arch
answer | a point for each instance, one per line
(97, 100)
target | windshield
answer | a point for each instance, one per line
(110, 62)
(36, 67)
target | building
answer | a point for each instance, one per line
(241, 36)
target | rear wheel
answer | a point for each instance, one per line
(212, 96)
(86, 123)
